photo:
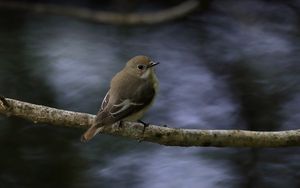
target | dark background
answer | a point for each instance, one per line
(229, 65)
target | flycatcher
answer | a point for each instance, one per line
(131, 93)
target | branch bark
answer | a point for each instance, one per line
(153, 133)
(178, 11)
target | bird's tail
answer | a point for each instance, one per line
(90, 133)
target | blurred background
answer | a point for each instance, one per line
(226, 65)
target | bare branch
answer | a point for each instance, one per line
(178, 11)
(4, 102)
(153, 133)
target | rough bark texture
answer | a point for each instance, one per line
(178, 11)
(153, 133)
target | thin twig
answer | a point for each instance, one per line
(172, 13)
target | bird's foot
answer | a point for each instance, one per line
(145, 125)
(120, 124)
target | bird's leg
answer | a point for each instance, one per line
(144, 123)
(120, 124)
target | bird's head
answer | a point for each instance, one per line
(141, 66)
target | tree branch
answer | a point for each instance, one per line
(153, 133)
(172, 13)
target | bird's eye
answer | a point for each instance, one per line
(141, 67)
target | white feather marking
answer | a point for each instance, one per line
(146, 74)
(105, 100)
(124, 106)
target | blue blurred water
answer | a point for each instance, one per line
(232, 66)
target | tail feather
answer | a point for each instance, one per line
(90, 133)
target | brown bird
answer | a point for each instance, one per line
(131, 93)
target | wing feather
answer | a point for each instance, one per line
(105, 101)
(125, 104)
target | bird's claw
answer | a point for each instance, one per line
(145, 125)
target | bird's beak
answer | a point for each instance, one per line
(152, 64)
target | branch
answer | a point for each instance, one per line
(153, 133)
(178, 11)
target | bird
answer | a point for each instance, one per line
(131, 93)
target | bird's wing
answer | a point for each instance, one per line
(124, 106)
